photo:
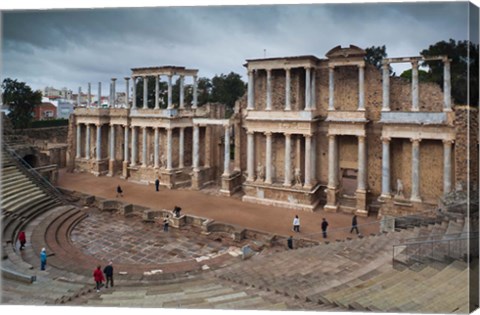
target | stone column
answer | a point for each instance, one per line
(144, 147)
(314, 160)
(415, 107)
(87, 142)
(89, 95)
(127, 105)
(134, 93)
(362, 165)
(114, 93)
(99, 142)
(415, 196)
(250, 157)
(157, 91)
(145, 92)
(331, 205)
(447, 86)
(125, 144)
(361, 87)
(79, 98)
(169, 148)
(268, 158)
(155, 148)
(308, 87)
(386, 87)
(269, 90)
(79, 138)
(112, 142)
(331, 88)
(250, 99)
(288, 105)
(308, 161)
(447, 166)
(313, 92)
(288, 160)
(386, 192)
(195, 96)
(181, 145)
(99, 99)
(226, 159)
(170, 105)
(196, 148)
(182, 92)
(332, 162)
(134, 146)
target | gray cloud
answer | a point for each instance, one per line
(72, 47)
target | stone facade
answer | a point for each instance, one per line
(333, 132)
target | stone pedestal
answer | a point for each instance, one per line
(196, 180)
(111, 168)
(362, 210)
(100, 167)
(332, 204)
(167, 178)
(231, 183)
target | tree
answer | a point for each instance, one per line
(423, 75)
(463, 68)
(21, 100)
(374, 56)
(226, 89)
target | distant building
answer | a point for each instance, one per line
(64, 109)
(45, 111)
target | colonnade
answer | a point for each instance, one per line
(130, 153)
(361, 87)
(415, 170)
(309, 163)
(310, 96)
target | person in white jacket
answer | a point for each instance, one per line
(296, 224)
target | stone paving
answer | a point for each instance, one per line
(109, 236)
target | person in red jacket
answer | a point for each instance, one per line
(98, 277)
(23, 239)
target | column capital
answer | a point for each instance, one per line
(415, 140)
(114, 79)
(268, 133)
(287, 134)
(331, 136)
(362, 66)
(448, 141)
(250, 132)
(385, 65)
(414, 63)
(386, 139)
(361, 138)
(98, 124)
(307, 135)
(127, 78)
(287, 69)
(331, 67)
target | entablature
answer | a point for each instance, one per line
(298, 127)
(419, 132)
(283, 115)
(358, 116)
(417, 118)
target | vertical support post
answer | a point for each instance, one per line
(361, 88)
(386, 87)
(134, 146)
(269, 90)
(308, 88)
(288, 160)
(250, 99)
(288, 105)
(89, 95)
(125, 144)
(268, 158)
(157, 91)
(415, 92)
(331, 88)
(134, 93)
(250, 156)
(386, 192)
(415, 196)
(127, 105)
(182, 92)
(226, 161)
(99, 142)
(170, 105)
(181, 143)
(144, 146)
(87, 142)
(79, 139)
(145, 92)
(308, 161)
(114, 93)
(155, 148)
(447, 86)
(195, 92)
(196, 147)
(169, 148)
(447, 166)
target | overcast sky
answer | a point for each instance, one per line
(73, 47)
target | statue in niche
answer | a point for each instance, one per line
(298, 177)
(399, 193)
(260, 172)
(163, 161)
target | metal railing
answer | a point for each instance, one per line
(28, 170)
(461, 246)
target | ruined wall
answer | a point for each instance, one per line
(466, 145)
(51, 134)
(430, 96)
(431, 170)
(346, 88)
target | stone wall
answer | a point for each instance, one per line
(430, 96)
(50, 134)
(466, 145)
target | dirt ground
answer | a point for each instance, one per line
(231, 210)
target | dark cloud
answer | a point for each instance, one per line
(73, 47)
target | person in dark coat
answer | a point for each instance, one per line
(119, 191)
(98, 277)
(108, 271)
(290, 242)
(165, 224)
(43, 259)
(354, 224)
(324, 227)
(176, 211)
(157, 184)
(23, 239)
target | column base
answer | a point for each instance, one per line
(361, 213)
(330, 208)
(384, 198)
(332, 202)
(167, 178)
(196, 180)
(361, 196)
(111, 168)
(231, 183)
(415, 199)
(125, 170)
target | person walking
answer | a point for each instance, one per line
(43, 259)
(23, 239)
(354, 224)
(157, 184)
(324, 227)
(119, 191)
(290, 242)
(165, 224)
(296, 224)
(98, 277)
(108, 271)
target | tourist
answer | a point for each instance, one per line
(324, 227)
(290, 242)
(157, 184)
(23, 239)
(98, 277)
(165, 224)
(176, 211)
(43, 259)
(296, 224)
(108, 271)
(354, 224)
(119, 191)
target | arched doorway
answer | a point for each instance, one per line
(31, 160)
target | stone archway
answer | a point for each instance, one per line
(31, 160)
